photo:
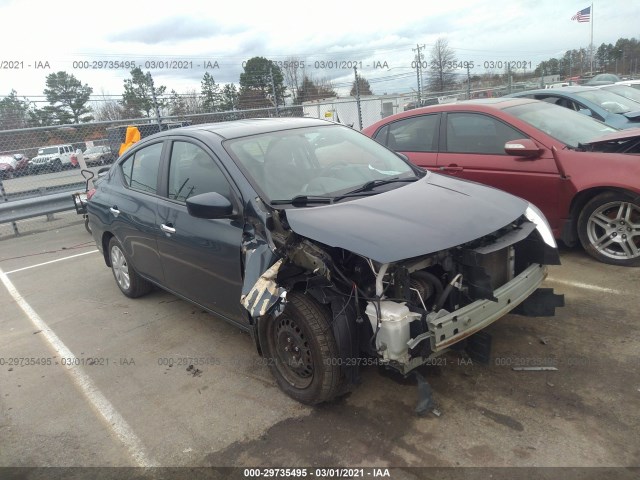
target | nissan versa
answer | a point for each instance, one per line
(323, 244)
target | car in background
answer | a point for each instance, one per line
(581, 173)
(319, 242)
(625, 91)
(602, 79)
(13, 165)
(630, 83)
(98, 155)
(8, 165)
(608, 107)
(52, 158)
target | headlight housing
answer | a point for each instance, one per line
(534, 215)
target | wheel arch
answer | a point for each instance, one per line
(106, 238)
(569, 233)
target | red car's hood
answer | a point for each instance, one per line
(613, 136)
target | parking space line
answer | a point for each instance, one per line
(47, 263)
(586, 286)
(113, 419)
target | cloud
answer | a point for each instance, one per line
(170, 30)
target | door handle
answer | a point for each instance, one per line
(452, 168)
(167, 228)
(115, 211)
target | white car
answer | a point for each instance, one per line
(631, 83)
(52, 158)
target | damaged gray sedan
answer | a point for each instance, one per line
(330, 250)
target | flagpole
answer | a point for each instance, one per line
(591, 44)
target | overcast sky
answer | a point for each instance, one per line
(230, 32)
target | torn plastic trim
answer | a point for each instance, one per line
(265, 293)
(447, 328)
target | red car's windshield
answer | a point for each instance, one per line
(569, 127)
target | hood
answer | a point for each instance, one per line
(620, 141)
(431, 214)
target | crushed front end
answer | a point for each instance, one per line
(403, 313)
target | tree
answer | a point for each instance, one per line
(442, 71)
(14, 112)
(293, 70)
(230, 98)
(210, 93)
(311, 89)
(69, 97)
(177, 104)
(258, 82)
(137, 98)
(363, 87)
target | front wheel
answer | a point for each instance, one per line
(128, 281)
(302, 351)
(609, 229)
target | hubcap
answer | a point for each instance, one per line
(614, 230)
(120, 268)
(293, 352)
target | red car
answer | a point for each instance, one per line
(582, 174)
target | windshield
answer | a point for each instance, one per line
(625, 91)
(567, 126)
(315, 161)
(48, 151)
(611, 102)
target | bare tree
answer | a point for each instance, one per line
(442, 67)
(293, 71)
(107, 109)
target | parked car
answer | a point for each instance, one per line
(631, 83)
(8, 165)
(98, 155)
(22, 165)
(52, 159)
(625, 91)
(332, 251)
(602, 79)
(595, 102)
(582, 174)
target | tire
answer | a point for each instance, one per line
(57, 165)
(302, 352)
(129, 282)
(609, 229)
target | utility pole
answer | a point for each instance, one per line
(355, 71)
(418, 58)
(273, 91)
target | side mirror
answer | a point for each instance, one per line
(209, 205)
(586, 111)
(523, 147)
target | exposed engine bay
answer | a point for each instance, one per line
(405, 312)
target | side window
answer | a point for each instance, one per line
(141, 169)
(192, 172)
(381, 136)
(414, 134)
(477, 133)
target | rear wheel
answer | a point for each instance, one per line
(302, 351)
(609, 229)
(129, 282)
(57, 165)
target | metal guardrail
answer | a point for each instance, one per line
(45, 204)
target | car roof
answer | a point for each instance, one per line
(555, 91)
(253, 126)
(479, 105)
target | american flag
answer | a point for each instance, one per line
(583, 15)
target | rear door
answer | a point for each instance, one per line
(472, 147)
(416, 137)
(130, 203)
(201, 258)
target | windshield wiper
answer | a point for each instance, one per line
(302, 200)
(376, 183)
